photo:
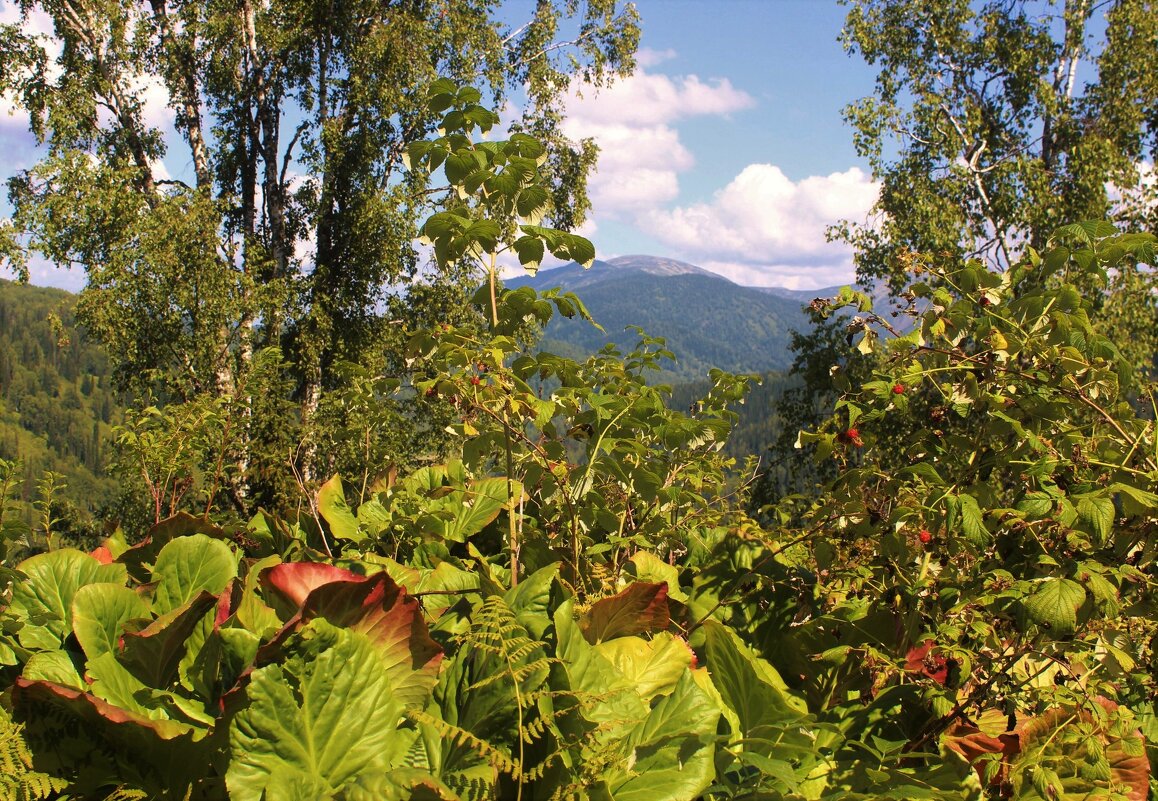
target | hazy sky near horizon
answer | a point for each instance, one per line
(726, 148)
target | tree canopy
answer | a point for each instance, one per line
(992, 123)
(293, 225)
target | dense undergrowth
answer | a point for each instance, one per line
(577, 604)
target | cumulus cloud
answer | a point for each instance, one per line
(648, 57)
(765, 229)
(633, 122)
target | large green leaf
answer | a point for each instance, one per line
(476, 507)
(139, 559)
(99, 615)
(320, 724)
(607, 696)
(337, 513)
(529, 599)
(1098, 514)
(1054, 605)
(752, 688)
(44, 599)
(671, 757)
(652, 666)
(53, 666)
(187, 566)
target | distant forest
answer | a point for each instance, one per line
(57, 407)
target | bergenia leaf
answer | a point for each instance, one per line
(325, 724)
(45, 597)
(188, 566)
(99, 615)
(638, 609)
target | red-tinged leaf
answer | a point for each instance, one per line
(921, 660)
(102, 554)
(294, 581)
(228, 602)
(393, 622)
(94, 743)
(1038, 736)
(972, 744)
(1129, 765)
(640, 608)
(153, 653)
(139, 558)
(89, 707)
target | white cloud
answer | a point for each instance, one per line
(765, 229)
(651, 99)
(641, 155)
(647, 57)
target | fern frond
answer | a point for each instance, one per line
(19, 781)
(462, 737)
(126, 794)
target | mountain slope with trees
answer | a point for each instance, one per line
(706, 320)
(57, 404)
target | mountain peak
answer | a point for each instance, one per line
(655, 265)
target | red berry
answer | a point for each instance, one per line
(474, 379)
(432, 393)
(850, 437)
(925, 537)
(898, 389)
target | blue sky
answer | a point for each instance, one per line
(735, 112)
(725, 149)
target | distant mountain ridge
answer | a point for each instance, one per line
(707, 320)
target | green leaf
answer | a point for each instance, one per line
(530, 250)
(530, 598)
(532, 203)
(476, 507)
(54, 666)
(646, 566)
(324, 724)
(972, 521)
(1055, 605)
(188, 566)
(638, 609)
(614, 701)
(44, 599)
(672, 751)
(1135, 501)
(1098, 513)
(652, 666)
(753, 689)
(336, 512)
(99, 615)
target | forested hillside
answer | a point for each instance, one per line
(707, 320)
(56, 404)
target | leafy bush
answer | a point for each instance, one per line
(577, 606)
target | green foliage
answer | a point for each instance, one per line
(57, 408)
(295, 232)
(985, 132)
(575, 604)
